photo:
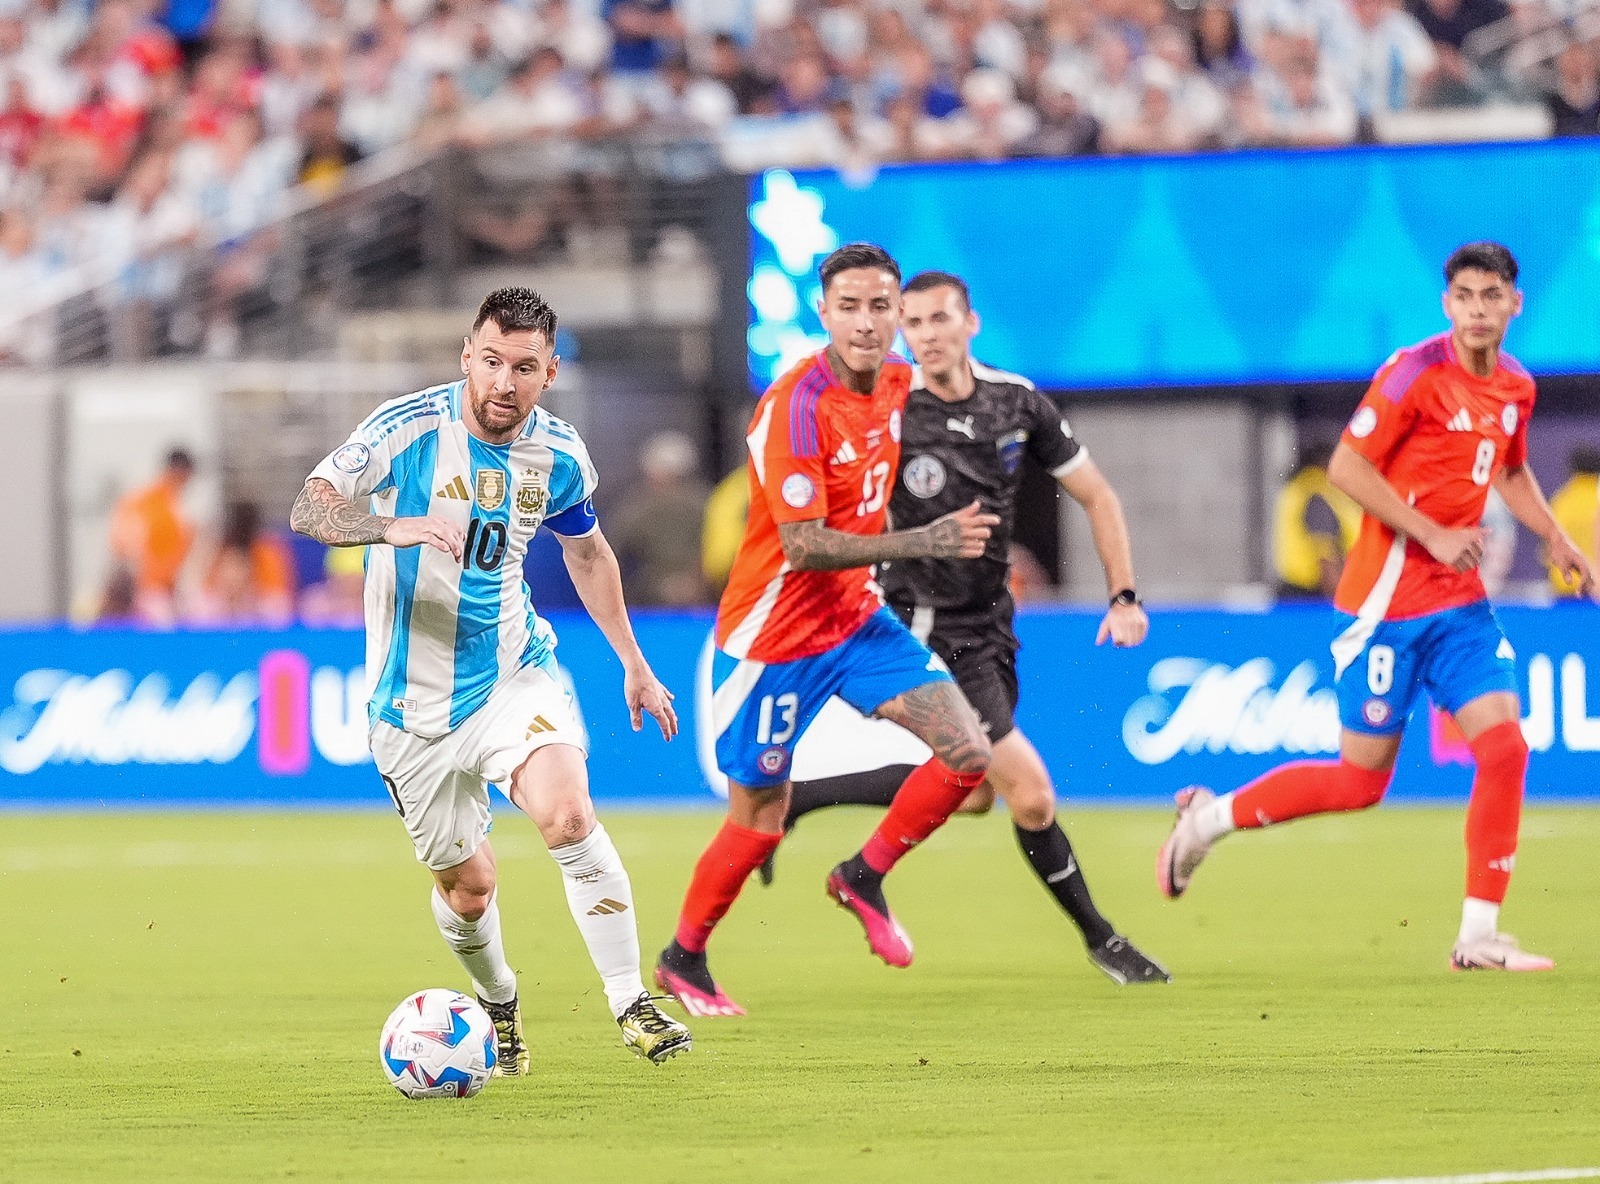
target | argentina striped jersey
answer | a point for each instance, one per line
(442, 632)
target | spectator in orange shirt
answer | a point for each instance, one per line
(151, 536)
(249, 579)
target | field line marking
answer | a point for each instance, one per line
(1490, 1177)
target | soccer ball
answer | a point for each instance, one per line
(438, 1044)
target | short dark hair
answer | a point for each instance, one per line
(181, 458)
(1585, 458)
(854, 255)
(1484, 256)
(517, 310)
(926, 281)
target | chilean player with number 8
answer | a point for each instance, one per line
(802, 620)
(1442, 422)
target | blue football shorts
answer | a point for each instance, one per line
(1456, 656)
(760, 711)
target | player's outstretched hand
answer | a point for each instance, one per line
(433, 532)
(644, 692)
(1572, 563)
(1460, 549)
(1125, 625)
(963, 533)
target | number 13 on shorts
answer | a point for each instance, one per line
(777, 718)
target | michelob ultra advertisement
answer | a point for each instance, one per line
(126, 718)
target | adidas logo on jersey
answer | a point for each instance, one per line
(1461, 421)
(845, 455)
(456, 490)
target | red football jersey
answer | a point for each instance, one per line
(1440, 435)
(817, 450)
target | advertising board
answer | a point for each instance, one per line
(114, 718)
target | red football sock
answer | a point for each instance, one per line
(929, 796)
(734, 853)
(1494, 812)
(1308, 787)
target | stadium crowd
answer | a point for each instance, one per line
(129, 124)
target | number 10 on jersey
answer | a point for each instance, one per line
(485, 546)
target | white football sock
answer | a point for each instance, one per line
(477, 946)
(1480, 919)
(601, 900)
(1214, 819)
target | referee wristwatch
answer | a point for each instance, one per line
(1125, 596)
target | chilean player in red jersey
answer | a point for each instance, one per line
(1441, 422)
(802, 620)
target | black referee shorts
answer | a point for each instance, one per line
(982, 655)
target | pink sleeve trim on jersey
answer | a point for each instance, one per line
(805, 434)
(1413, 362)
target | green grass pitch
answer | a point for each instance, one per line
(198, 997)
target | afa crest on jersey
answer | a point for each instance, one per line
(532, 497)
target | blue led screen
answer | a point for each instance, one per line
(1245, 268)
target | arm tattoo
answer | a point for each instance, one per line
(811, 546)
(939, 715)
(325, 514)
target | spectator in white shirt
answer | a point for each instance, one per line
(28, 278)
(287, 88)
(999, 43)
(582, 38)
(1194, 96)
(1161, 124)
(1118, 92)
(1305, 106)
(1326, 22)
(381, 101)
(538, 99)
(148, 213)
(1383, 59)
(679, 101)
(991, 123)
(239, 181)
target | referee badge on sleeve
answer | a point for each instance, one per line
(924, 476)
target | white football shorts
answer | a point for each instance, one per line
(441, 786)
